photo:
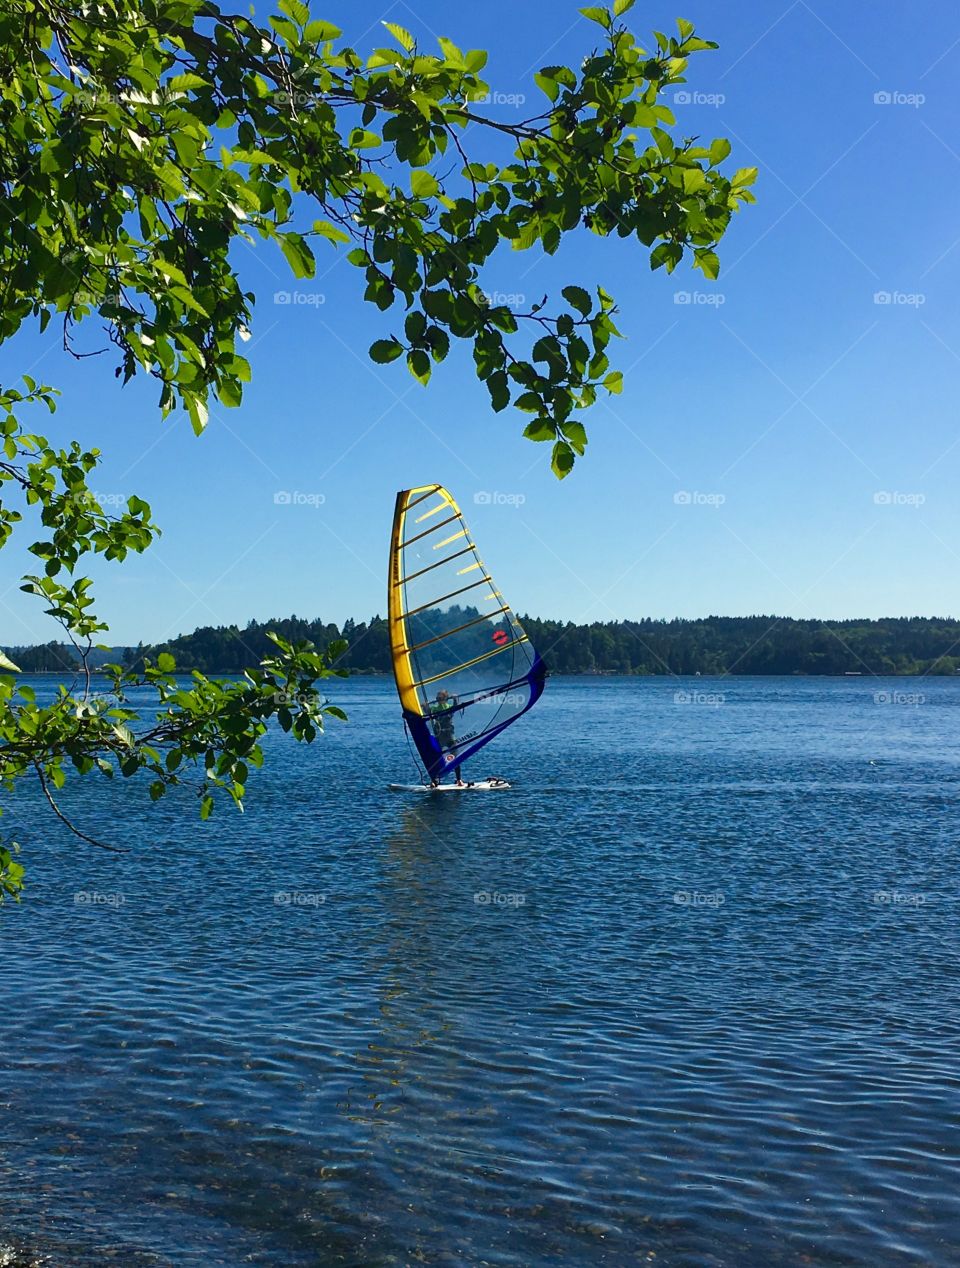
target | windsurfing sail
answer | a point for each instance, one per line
(465, 668)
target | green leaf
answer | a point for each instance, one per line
(622, 6)
(326, 230)
(694, 44)
(540, 429)
(297, 10)
(709, 263)
(298, 254)
(171, 272)
(637, 114)
(450, 51)
(165, 663)
(424, 185)
(230, 393)
(667, 253)
(199, 414)
(386, 350)
(719, 150)
(664, 143)
(694, 180)
(614, 382)
(319, 32)
(185, 83)
(287, 29)
(598, 15)
(361, 139)
(530, 402)
(439, 342)
(499, 389)
(547, 85)
(562, 460)
(578, 298)
(418, 363)
(415, 326)
(576, 434)
(401, 35)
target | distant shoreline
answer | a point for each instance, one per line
(742, 646)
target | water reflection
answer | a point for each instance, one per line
(433, 953)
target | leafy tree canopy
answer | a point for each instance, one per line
(139, 141)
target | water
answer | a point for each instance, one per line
(686, 995)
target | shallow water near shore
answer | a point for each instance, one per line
(686, 994)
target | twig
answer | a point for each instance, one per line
(114, 849)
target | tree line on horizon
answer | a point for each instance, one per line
(711, 645)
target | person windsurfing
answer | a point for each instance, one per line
(441, 714)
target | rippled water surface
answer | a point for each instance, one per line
(688, 994)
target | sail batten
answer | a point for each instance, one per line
(439, 564)
(424, 682)
(456, 630)
(452, 595)
(427, 531)
(465, 668)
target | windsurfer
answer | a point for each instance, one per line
(442, 716)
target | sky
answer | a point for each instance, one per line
(787, 441)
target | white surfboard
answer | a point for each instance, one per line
(481, 785)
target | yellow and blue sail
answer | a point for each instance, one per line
(464, 666)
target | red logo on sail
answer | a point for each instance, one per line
(500, 637)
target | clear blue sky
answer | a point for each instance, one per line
(798, 399)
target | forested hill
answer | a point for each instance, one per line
(713, 645)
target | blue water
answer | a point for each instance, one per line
(687, 995)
